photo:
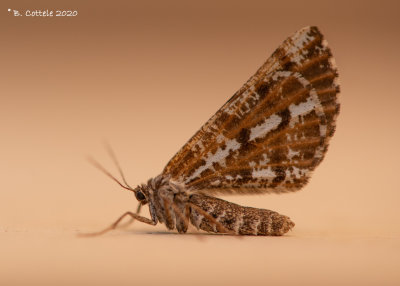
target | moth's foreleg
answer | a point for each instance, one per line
(115, 224)
(139, 207)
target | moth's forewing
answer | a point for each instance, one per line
(274, 131)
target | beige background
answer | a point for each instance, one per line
(145, 76)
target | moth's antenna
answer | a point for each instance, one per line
(110, 152)
(101, 168)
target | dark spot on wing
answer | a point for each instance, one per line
(263, 89)
(280, 174)
(243, 135)
(285, 115)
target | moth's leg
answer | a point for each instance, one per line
(220, 227)
(139, 207)
(115, 224)
(183, 222)
(169, 220)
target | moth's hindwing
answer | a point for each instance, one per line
(274, 131)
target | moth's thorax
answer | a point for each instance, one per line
(163, 195)
(162, 184)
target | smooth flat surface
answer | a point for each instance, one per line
(145, 76)
(50, 257)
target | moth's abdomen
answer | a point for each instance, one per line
(239, 219)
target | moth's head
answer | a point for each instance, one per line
(141, 194)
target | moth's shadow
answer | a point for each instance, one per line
(144, 232)
(200, 235)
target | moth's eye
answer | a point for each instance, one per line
(139, 195)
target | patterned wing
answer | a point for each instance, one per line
(273, 132)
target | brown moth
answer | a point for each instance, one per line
(267, 138)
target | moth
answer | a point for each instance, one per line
(267, 138)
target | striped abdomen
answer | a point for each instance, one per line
(239, 219)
